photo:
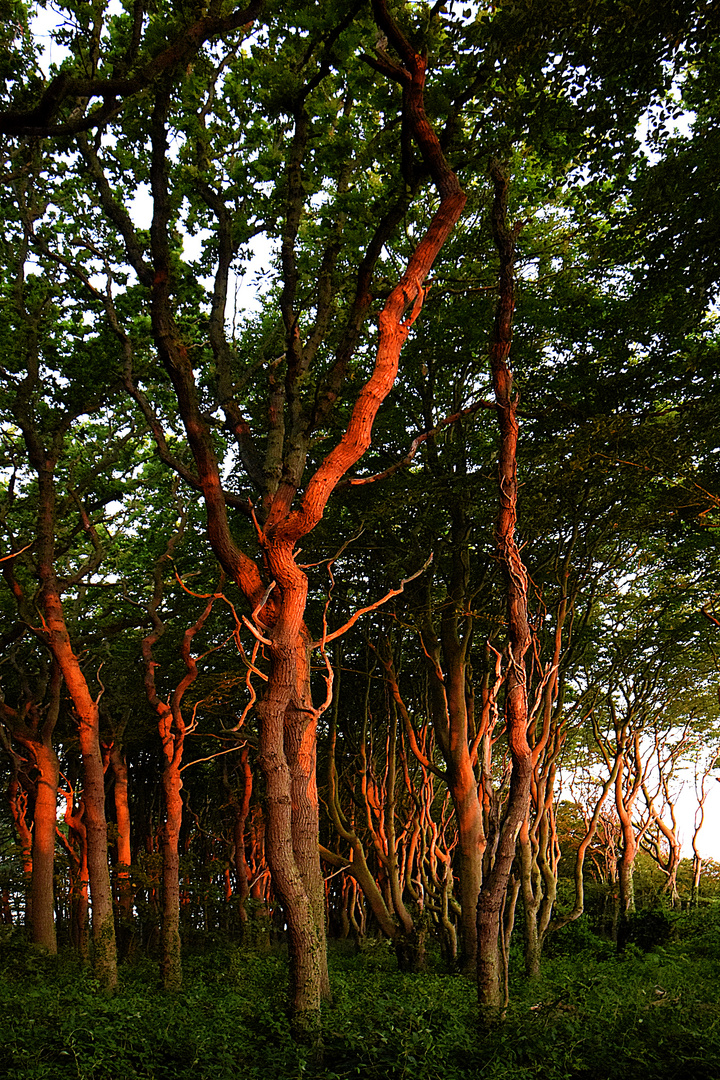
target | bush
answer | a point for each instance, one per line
(592, 1016)
(578, 939)
(646, 929)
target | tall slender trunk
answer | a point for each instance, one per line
(450, 720)
(171, 965)
(103, 921)
(470, 848)
(491, 991)
(626, 872)
(55, 636)
(76, 846)
(172, 731)
(123, 883)
(449, 708)
(43, 847)
(33, 728)
(628, 749)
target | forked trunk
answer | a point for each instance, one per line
(287, 717)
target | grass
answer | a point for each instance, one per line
(593, 1016)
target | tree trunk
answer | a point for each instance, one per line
(491, 991)
(240, 809)
(76, 847)
(491, 985)
(171, 965)
(123, 884)
(470, 848)
(529, 883)
(43, 847)
(303, 931)
(300, 738)
(626, 874)
(34, 732)
(56, 637)
(287, 729)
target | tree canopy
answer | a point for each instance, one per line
(359, 466)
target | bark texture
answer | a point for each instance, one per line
(491, 991)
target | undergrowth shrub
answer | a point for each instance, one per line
(593, 1015)
(646, 928)
(578, 939)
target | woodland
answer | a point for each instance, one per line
(358, 497)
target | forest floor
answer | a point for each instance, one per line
(594, 1015)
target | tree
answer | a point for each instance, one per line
(277, 594)
(314, 128)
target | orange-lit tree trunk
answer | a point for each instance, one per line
(491, 991)
(172, 730)
(123, 884)
(628, 769)
(287, 715)
(103, 924)
(33, 728)
(453, 717)
(54, 635)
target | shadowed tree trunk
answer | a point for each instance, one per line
(491, 991)
(75, 845)
(240, 807)
(172, 730)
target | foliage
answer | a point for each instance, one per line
(655, 1016)
(281, 141)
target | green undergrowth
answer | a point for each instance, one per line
(594, 1015)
